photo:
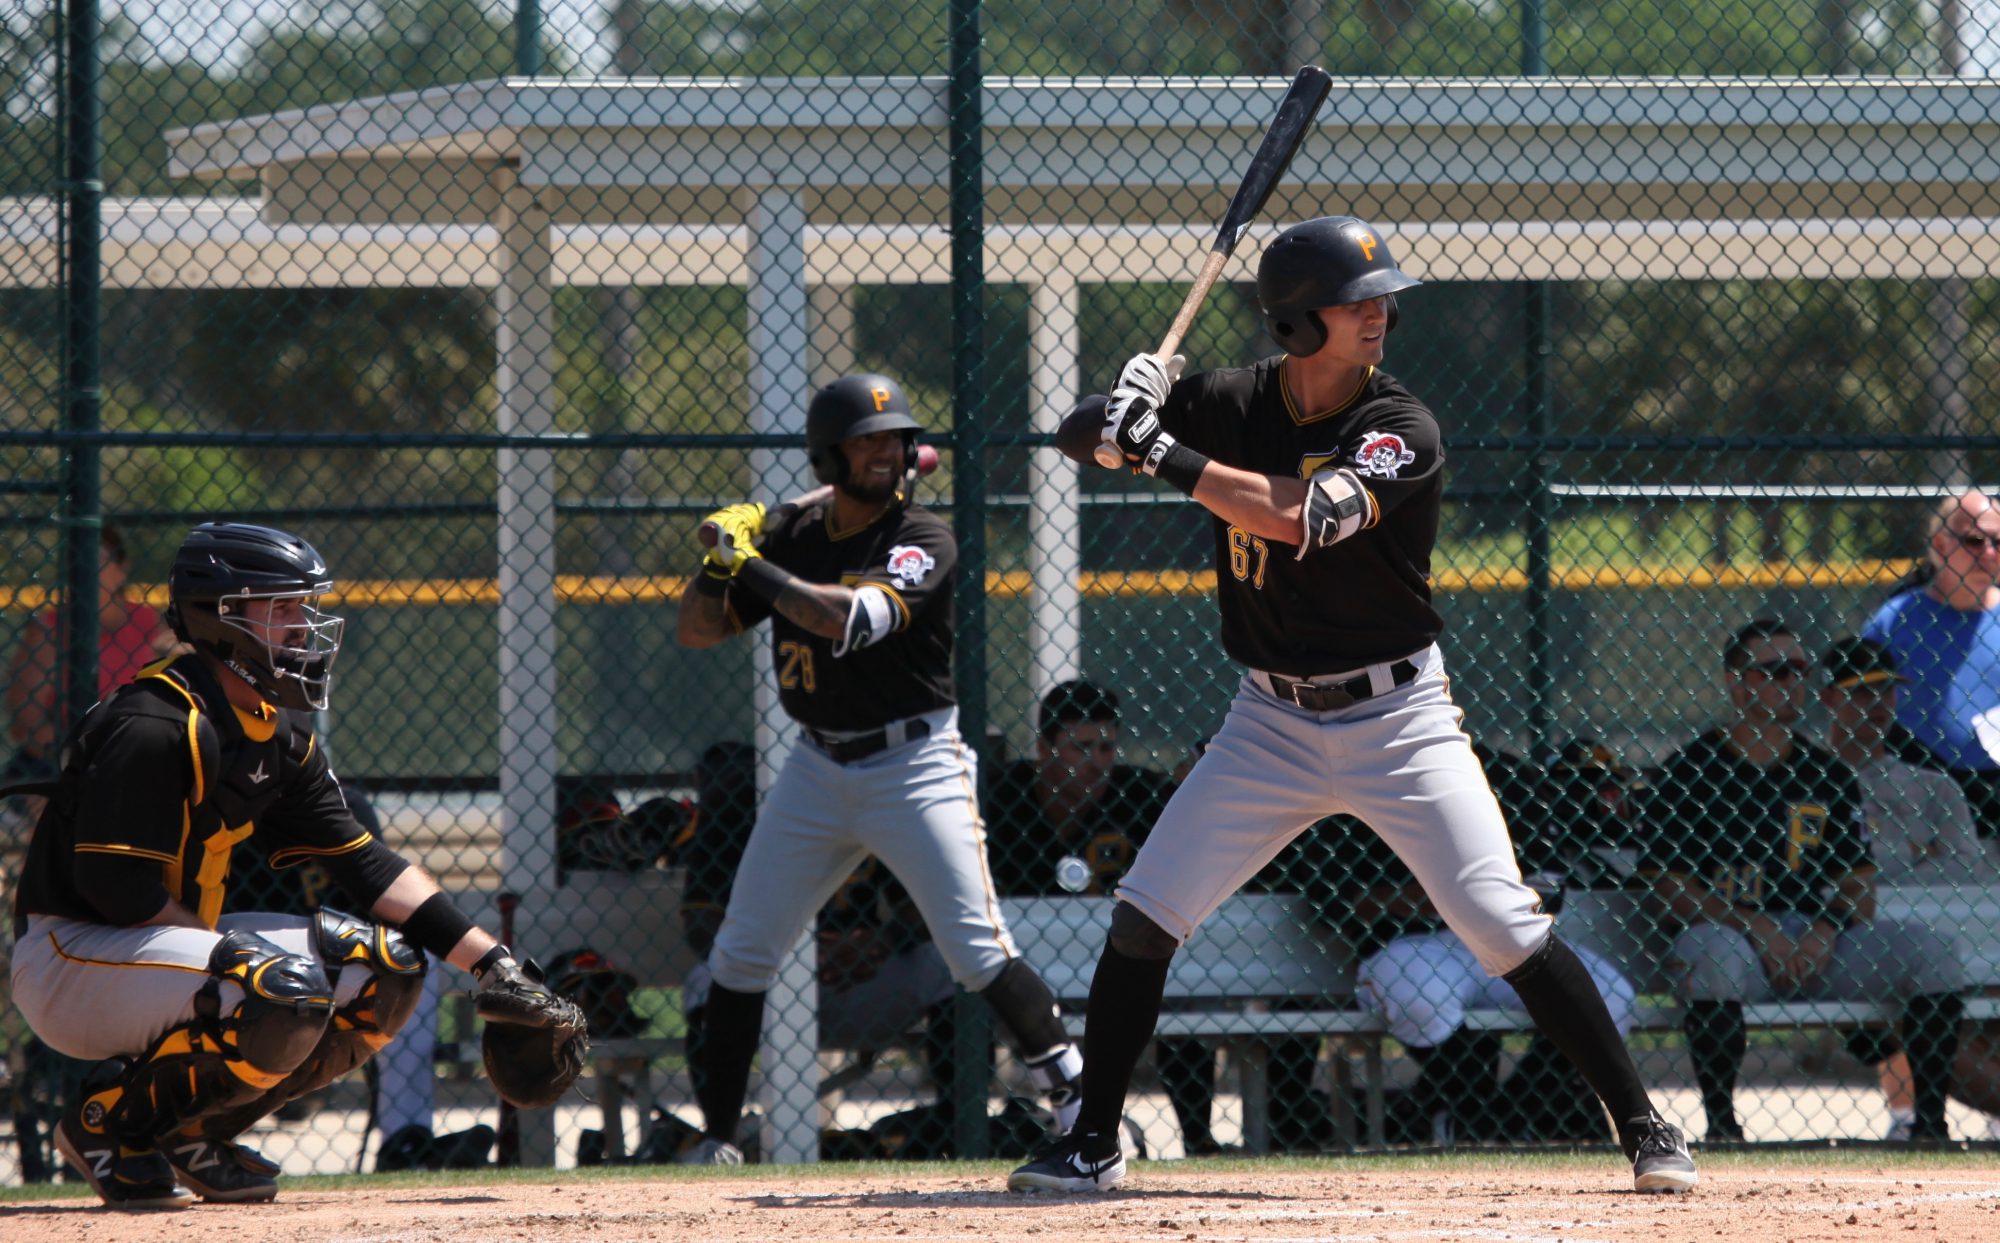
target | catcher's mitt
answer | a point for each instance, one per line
(535, 1041)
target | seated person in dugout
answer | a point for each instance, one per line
(1757, 844)
(1923, 834)
(205, 1022)
(1421, 979)
(1069, 821)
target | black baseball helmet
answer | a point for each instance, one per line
(856, 405)
(224, 567)
(1330, 261)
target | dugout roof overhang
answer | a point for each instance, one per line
(1128, 150)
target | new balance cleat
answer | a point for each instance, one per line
(222, 1172)
(124, 1177)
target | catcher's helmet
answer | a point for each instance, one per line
(856, 405)
(1330, 261)
(223, 567)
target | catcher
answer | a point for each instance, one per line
(203, 1023)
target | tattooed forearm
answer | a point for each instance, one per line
(820, 608)
(703, 620)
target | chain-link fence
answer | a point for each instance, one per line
(494, 305)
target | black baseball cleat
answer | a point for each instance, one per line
(1659, 1153)
(123, 1177)
(222, 1172)
(1079, 1161)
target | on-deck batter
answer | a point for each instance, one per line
(1324, 476)
(858, 588)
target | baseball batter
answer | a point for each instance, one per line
(205, 1022)
(1324, 476)
(858, 589)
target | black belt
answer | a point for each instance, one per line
(1333, 696)
(860, 746)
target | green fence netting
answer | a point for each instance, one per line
(494, 305)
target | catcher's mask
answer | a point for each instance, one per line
(1329, 261)
(249, 597)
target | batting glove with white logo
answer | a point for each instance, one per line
(1132, 420)
(737, 528)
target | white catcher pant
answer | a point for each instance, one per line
(914, 807)
(1423, 984)
(1398, 761)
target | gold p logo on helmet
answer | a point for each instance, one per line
(881, 396)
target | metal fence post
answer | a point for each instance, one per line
(82, 404)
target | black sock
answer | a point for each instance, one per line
(1930, 1039)
(1560, 996)
(1717, 1042)
(729, 1044)
(1124, 1008)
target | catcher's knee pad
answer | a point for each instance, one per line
(1135, 935)
(395, 975)
(216, 1061)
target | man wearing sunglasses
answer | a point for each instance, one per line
(1944, 635)
(1757, 843)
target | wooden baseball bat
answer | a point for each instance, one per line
(927, 461)
(508, 1138)
(1288, 129)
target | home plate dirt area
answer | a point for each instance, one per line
(1822, 1195)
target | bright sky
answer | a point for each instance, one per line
(223, 28)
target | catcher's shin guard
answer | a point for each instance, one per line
(359, 1027)
(214, 1062)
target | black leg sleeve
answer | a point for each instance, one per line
(1930, 1038)
(1560, 996)
(729, 1044)
(1717, 1042)
(1124, 1008)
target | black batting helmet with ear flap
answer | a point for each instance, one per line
(856, 405)
(1330, 261)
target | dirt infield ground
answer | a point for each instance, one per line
(1842, 1196)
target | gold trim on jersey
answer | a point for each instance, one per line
(119, 848)
(299, 854)
(66, 956)
(1292, 405)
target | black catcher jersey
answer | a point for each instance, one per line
(909, 554)
(1364, 600)
(167, 772)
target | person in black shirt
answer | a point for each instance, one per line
(1323, 476)
(208, 1021)
(857, 583)
(1758, 845)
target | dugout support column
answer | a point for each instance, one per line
(525, 534)
(1054, 486)
(779, 340)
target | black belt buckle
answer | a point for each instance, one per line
(1326, 698)
(850, 750)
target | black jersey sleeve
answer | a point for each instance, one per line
(1397, 452)
(1671, 835)
(916, 567)
(311, 819)
(136, 786)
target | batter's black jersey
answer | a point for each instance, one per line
(166, 778)
(1364, 600)
(1769, 839)
(909, 555)
(1023, 846)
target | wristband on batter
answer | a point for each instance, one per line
(1179, 466)
(764, 580)
(714, 586)
(436, 926)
